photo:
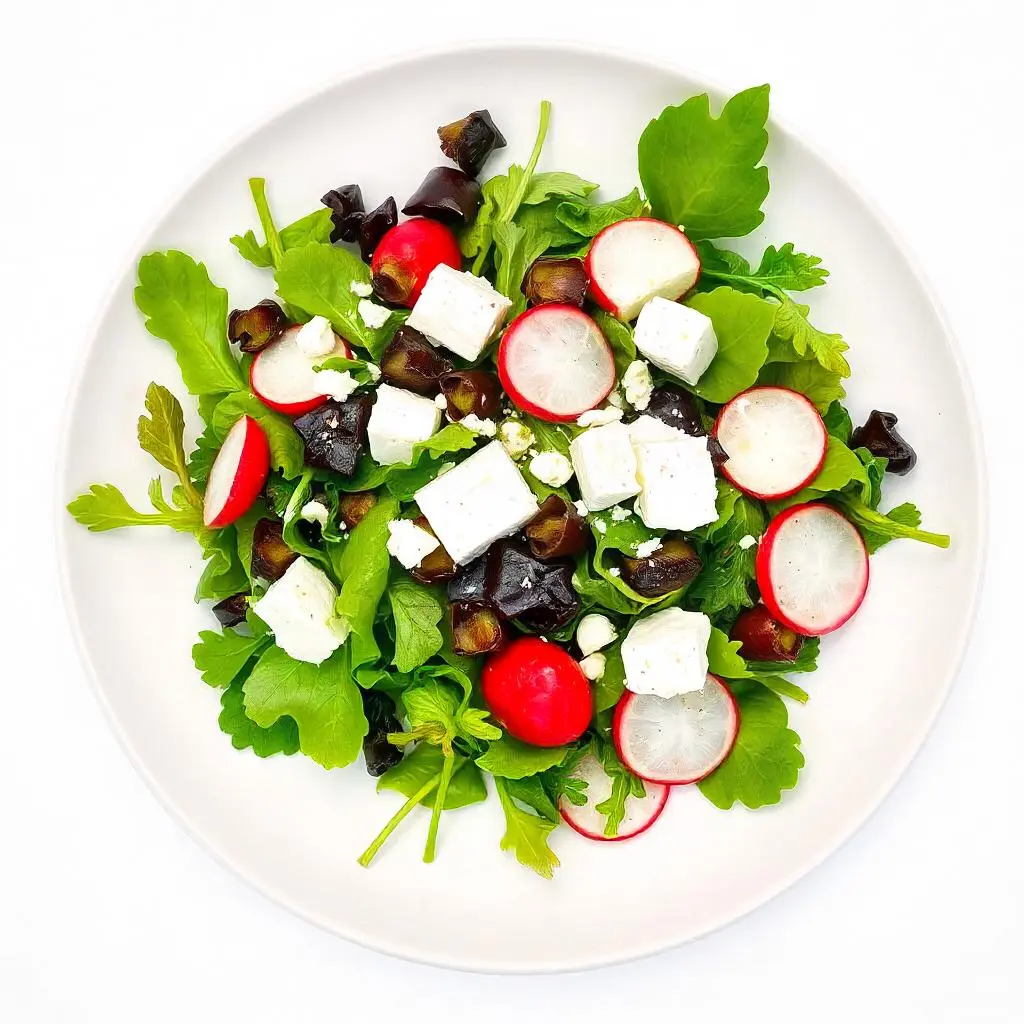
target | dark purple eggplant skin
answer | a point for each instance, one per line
(270, 555)
(231, 611)
(673, 566)
(468, 584)
(556, 279)
(471, 140)
(380, 716)
(335, 433)
(677, 408)
(254, 329)
(446, 194)
(519, 586)
(411, 362)
(880, 436)
(347, 212)
(719, 456)
(375, 225)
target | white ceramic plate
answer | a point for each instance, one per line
(294, 830)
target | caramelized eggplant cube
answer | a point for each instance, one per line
(353, 507)
(556, 279)
(671, 567)
(375, 225)
(270, 555)
(411, 362)
(467, 586)
(436, 567)
(519, 586)
(381, 719)
(559, 604)
(476, 629)
(347, 212)
(231, 611)
(880, 436)
(335, 433)
(254, 329)
(556, 531)
(471, 140)
(676, 407)
(473, 392)
(446, 194)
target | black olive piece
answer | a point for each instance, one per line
(880, 436)
(347, 212)
(254, 329)
(231, 611)
(411, 362)
(353, 507)
(519, 586)
(556, 279)
(435, 567)
(446, 194)
(671, 567)
(270, 555)
(476, 629)
(375, 225)
(471, 391)
(335, 433)
(471, 140)
(380, 716)
(468, 584)
(677, 408)
(556, 531)
(719, 456)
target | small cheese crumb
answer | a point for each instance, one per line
(551, 468)
(581, 508)
(600, 525)
(336, 384)
(409, 543)
(362, 288)
(316, 338)
(374, 371)
(620, 514)
(616, 399)
(615, 572)
(599, 417)
(594, 632)
(648, 547)
(314, 512)
(440, 401)
(373, 315)
(515, 438)
(472, 422)
(747, 542)
(526, 584)
(637, 384)
(593, 666)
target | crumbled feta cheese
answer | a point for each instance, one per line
(677, 338)
(336, 384)
(599, 417)
(593, 666)
(637, 384)
(600, 525)
(316, 339)
(615, 398)
(441, 402)
(362, 288)
(374, 371)
(594, 632)
(615, 572)
(398, 420)
(620, 514)
(372, 314)
(551, 468)
(667, 653)
(581, 508)
(747, 542)
(526, 584)
(677, 480)
(515, 438)
(648, 547)
(485, 428)
(410, 543)
(314, 512)
(605, 465)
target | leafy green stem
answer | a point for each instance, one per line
(435, 817)
(258, 188)
(868, 517)
(400, 815)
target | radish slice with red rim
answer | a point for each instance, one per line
(812, 569)
(238, 473)
(641, 812)
(775, 440)
(554, 362)
(284, 378)
(676, 740)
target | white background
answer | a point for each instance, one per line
(108, 911)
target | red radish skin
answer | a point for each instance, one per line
(537, 692)
(237, 475)
(406, 255)
(809, 471)
(554, 362)
(597, 260)
(763, 571)
(283, 378)
(576, 817)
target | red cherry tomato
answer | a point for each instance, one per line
(537, 692)
(407, 254)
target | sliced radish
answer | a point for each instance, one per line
(812, 569)
(631, 262)
(283, 375)
(641, 812)
(238, 473)
(555, 363)
(775, 440)
(677, 740)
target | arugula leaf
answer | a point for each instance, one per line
(532, 791)
(224, 573)
(509, 758)
(793, 327)
(314, 227)
(702, 172)
(425, 762)
(556, 183)
(104, 507)
(588, 220)
(200, 461)
(840, 470)
(620, 337)
(724, 658)
(526, 835)
(823, 387)
(838, 422)
(184, 308)
(608, 689)
(323, 700)
(624, 785)
(280, 738)
(742, 324)
(286, 447)
(766, 758)
(161, 435)
(782, 268)
(878, 528)
(221, 657)
(417, 612)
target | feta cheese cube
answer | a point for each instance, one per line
(551, 468)
(409, 543)
(459, 311)
(316, 338)
(399, 419)
(605, 465)
(476, 503)
(678, 339)
(677, 483)
(637, 384)
(645, 429)
(667, 653)
(299, 609)
(594, 632)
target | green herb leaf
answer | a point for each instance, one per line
(784, 688)
(425, 762)
(810, 378)
(104, 507)
(526, 835)
(221, 657)
(783, 268)
(878, 528)
(724, 658)
(793, 327)
(620, 337)
(280, 738)
(314, 227)
(588, 220)
(840, 470)
(838, 422)
(509, 758)
(161, 435)
(556, 183)
(417, 612)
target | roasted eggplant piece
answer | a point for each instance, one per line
(671, 567)
(719, 456)
(347, 212)
(476, 629)
(763, 638)
(880, 436)
(270, 555)
(254, 329)
(231, 611)
(467, 585)
(519, 586)
(446, 194)
(556, 531)
(470, 141)
(380, 716)
(353, 507)
(335, 433)
(473, 392)
(375, 225)
(556, 279)
(411, 362)
(677, 408)
(437, 567)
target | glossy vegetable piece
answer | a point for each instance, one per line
(538, 594)
(471, 391)
(435, 567)
(270, 555)
(446, 194)
(719, 456)
(672, 566)
(556, 531)
(411, 362)
(335, 433)
(375, 225)
(238, 473)
(347, 212)
(254, 329)
(467, 585)
(880, 436)
(678, 408)
(476, 629)
(556, 279)
(764, 638)
(231, 611)
(380, 716)
(470, 141)
(406, 256)
(353, 507)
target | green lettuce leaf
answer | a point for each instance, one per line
(793, 328)
(526, 835)
(508, 758)
(220, 658)
(620, 337)
(314, 227)
(280, 738)
(588, 220)
(782, 268)
(417, 611)
(823, 387)
(548, 184)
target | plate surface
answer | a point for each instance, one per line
(293, 830)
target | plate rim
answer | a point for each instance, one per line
(63, 524)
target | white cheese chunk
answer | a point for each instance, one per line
(362, 288)
(316, 338)
(551, 468)
(599, 417)
(484, 428)
(409, 543)
(667, 653)
(678, 339)
(637, 384)
(299, 609)
(476, 503)
(677, 483)
(336, 384)
(372, 314)
(459, 311)
(516, 438)
(645, 429)
(648, 547)
(399, 419)
(594, 632)
(593, 666)
(605, 465)
(314, 512)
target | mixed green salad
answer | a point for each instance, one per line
(533, 484)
